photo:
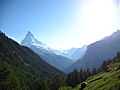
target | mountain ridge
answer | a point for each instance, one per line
(98, 51)
(73, 53)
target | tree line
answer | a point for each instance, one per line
(76, 77)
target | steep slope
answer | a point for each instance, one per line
(79, 53)
(98, 51)
(24, 58)
(105, 80)
(45, 52)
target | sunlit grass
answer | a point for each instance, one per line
(103, 81)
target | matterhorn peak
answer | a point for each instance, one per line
(31, 41)
(29, 34)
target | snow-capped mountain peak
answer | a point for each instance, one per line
(31, 41)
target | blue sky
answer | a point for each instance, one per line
(60, 24)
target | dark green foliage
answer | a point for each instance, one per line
(95, 71)
(42, 84)
(8, 78)
(75, 77)
(12, 78)
(88, 73)
(118, 55)
(57, 82)
(104, 66)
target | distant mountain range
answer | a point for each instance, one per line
(66, 53)
(79, 53)
(73, 53)
(103, 49)
(45, 52)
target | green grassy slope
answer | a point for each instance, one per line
(106, 80)
(109, 80)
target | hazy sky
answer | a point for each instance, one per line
(60, 24)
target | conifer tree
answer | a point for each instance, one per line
(57, 82)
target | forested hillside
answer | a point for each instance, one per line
(23, 69)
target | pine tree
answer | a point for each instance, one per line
(94, 71)
(57, 82)
(81, 75)
(104, 67)
(73, 78)
(42, 85)
(88, 73)
(118, 55)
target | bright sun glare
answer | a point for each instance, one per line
(98, 19)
